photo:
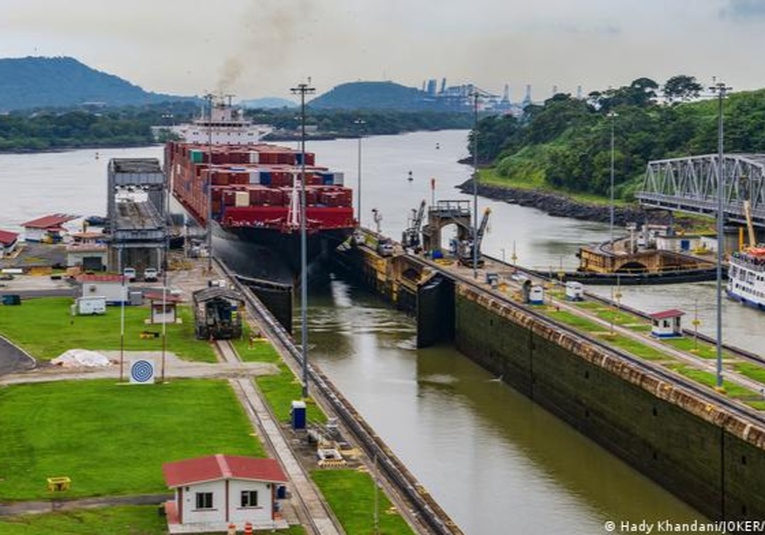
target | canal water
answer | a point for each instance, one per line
(496, 463)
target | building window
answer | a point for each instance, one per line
(204, 500)
(249, 498)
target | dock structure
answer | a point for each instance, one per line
(136, 200)
(706, 447)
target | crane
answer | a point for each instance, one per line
(749, 226)
(411, 236)
(466, 251)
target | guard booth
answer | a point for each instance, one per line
(667, 324)
(217, 313)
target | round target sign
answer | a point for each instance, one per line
(142, 371)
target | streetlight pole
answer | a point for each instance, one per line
(209, 99)
(721, 90)
(360, 123)
(613, 116)
(474, 95)
(303, 90)
(123, 292)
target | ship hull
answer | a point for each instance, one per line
(270, 255)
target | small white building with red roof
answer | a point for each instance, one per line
(46, 228)
(214, 492)
(8, 241)
(666, 324)
(112, 287)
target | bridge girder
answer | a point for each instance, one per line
(690, 185)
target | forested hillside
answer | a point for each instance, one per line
(35, 82)
(566, 143)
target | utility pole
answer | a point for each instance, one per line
(474, 96)
(613, 115)
(360, 123)
(721, 90)
(303, 90)
(209, 99)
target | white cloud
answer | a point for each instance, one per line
(263, 47)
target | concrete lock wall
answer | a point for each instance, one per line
(710, 459)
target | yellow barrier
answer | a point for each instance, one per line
(59, 484)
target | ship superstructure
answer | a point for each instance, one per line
(746, 276)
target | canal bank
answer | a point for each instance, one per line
(699, 447)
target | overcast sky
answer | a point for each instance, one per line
(255, 48)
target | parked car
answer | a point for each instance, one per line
(129, 273)
(150, 274)
(6, 277)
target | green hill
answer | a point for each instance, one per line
(374, 96)
(565, 144)
(34, 82)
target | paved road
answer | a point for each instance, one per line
(27, 508)
(319, 518)
(174, 368)
(13, 359)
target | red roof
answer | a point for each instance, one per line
(216, 467)
(48, 221)
(7, 238)
(157, 296)
(100, 278)
(666, 314)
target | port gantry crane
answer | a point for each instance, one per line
(466, 249)
(411, 236)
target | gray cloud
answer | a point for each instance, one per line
(744, 10)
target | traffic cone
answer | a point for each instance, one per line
(248, 528)
(231, 529)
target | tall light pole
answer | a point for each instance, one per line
(474, 96)
(123, 292)
(360, 123)
(613, 115)
(209, 99)
(303, 90)
(721, 90)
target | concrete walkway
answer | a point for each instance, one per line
(39, 507)
(13, 358)
(316, 509)
(175, 368)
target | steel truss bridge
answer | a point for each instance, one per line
(691, 185)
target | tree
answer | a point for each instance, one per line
(681, 88)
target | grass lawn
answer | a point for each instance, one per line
(50, 316)
(750, 370)
(113, 439)
(130, 520)
(280, 390)
(750, 397)
(351, 495)
(705, 350)
(126, 520)
(259, 350)
(490, 177)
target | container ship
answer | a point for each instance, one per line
(250, 190)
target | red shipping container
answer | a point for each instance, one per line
(311, 196)
(275, 197)
(310, 158)
(229, 198)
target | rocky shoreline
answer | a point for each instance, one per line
(559, 205)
